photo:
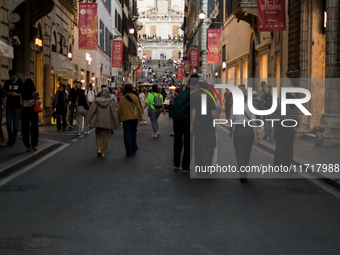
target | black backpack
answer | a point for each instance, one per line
(267, 100)
(180, 109)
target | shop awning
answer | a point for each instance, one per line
(6, 50)
(61, 65)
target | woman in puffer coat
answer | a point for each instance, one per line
(103, 116)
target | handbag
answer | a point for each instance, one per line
(130, 100)
(54, 114)
(37, 107)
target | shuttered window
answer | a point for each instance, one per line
(294, 40)
(101, 32)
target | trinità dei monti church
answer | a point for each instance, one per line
(161, 21)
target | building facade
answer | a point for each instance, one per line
(161, 34)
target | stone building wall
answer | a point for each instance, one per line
(5, 63)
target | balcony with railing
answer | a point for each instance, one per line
(245, 10)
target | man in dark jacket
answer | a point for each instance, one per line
(74, 93)
(12, 90)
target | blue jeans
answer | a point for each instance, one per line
(61, 116)
(130, 136)
(243, 143)
(154, 115)
(267, 127)
(12, 114)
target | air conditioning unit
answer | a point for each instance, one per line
(65, 42)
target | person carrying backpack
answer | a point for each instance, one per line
(91, 94)
(180, 113)
(155, 103)
(267, 100)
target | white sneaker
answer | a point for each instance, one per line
(154, 135)
(86, 133)
(144, 122)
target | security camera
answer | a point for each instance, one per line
(17, 40)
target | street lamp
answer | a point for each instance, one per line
(139, 48)
(216, 74)
(201, 15)
(144, 56)
(131, 31)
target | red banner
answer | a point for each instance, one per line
(179, 73)
(271, 15)
(194, 60)
(214, 45)
(139, 72)
(88, 31)
(117, 53)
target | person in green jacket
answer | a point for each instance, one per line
(155, 103)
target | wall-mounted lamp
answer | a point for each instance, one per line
(202, 15)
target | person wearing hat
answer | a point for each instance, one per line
(102, 116)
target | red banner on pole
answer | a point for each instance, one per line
(117, 53)
(271, 15)
(179, 73)
(194, 60)
(139, 72)
(88, 22)
(214, 45)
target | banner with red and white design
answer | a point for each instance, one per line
(214, 45)
(88, 22)
(179, 73)
(271, 15)
(117, 53)
(194, 59)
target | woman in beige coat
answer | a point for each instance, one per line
(103, 116)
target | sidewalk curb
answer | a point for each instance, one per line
(316, 175)
(29, 160)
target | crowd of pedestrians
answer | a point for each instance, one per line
(126, 107)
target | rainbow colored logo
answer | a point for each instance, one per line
(208, 92)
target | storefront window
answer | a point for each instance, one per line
(245, 73)
(264, 67)
(231, 76)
